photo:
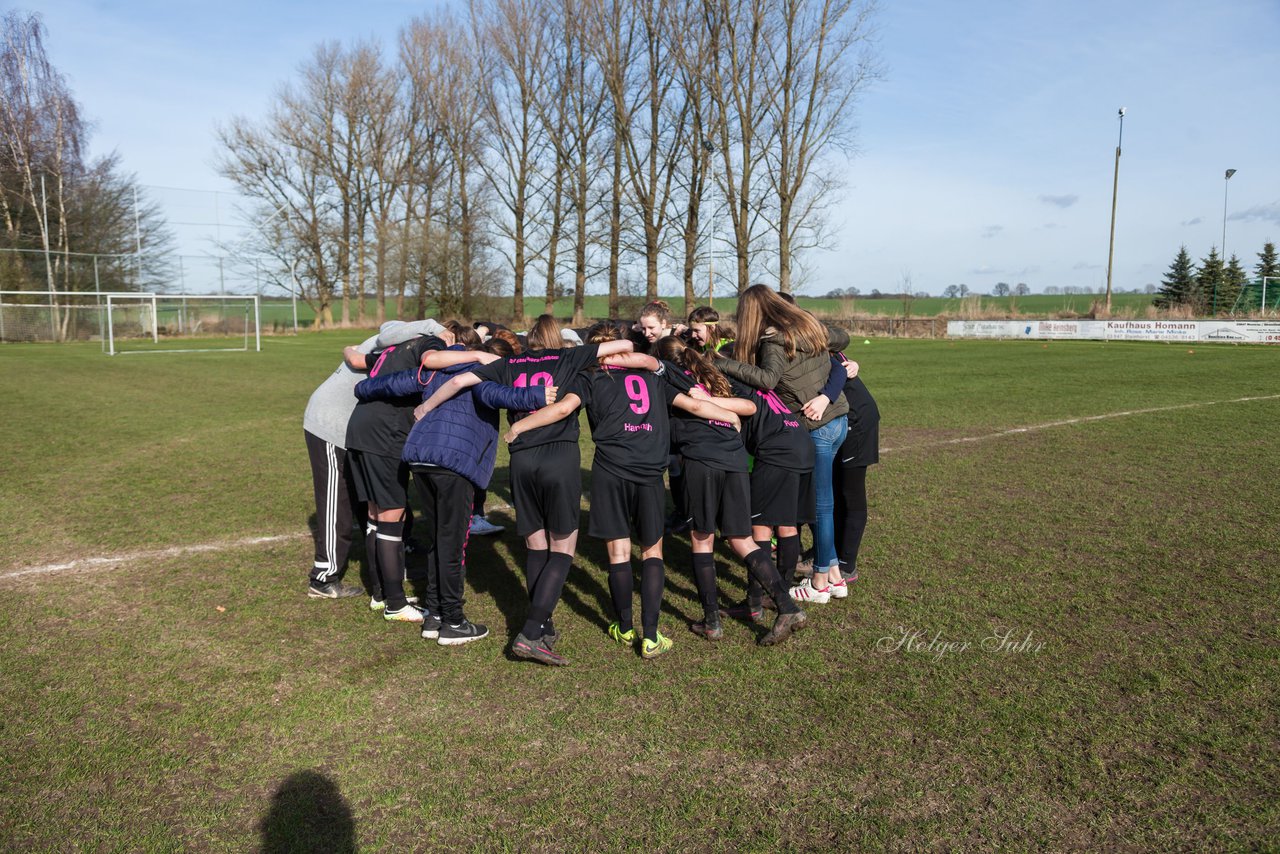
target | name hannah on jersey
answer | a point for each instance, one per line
(634, 428)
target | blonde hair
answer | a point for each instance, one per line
(759, 308)
(545, 334)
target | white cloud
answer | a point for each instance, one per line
(1060, 201)
(992, 230)
(1261, 213)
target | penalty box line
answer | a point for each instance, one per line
(225, 545)
(1067, 422)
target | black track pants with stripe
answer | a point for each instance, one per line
(335, 501)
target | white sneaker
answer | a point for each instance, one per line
(482, 527)
(839, 589)
(376, 604)
(806, 592)
(407, 614)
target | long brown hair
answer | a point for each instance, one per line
(674, 350)
(545, 334)
(760, 307)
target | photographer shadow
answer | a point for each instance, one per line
(309, 814)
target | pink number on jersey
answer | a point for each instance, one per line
(639, 392)
(540, 378)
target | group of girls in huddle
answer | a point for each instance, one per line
(756, 425)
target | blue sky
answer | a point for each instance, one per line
(985, 155)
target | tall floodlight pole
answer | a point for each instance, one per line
(1115, 190)
(1226, 183)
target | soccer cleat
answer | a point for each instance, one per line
(537, 650)
(709, 627)
(744, 611)
(804, 568)
(332, 590)
(650, 649)
(407, 614)
(784, 627)
(839, 589)
(550, 637)
(482, 527)
(376, 604)
(460, 633)
(430, 626)
(806, 592)
(628, 637)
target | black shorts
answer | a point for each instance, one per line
(780, 496)
(717, 500)
(617, 502)
(546, 488)
(861, 445)
(380, 480)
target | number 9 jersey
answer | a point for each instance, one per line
(629, 414)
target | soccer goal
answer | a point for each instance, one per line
(181, 323)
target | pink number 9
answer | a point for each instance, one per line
(638, 392)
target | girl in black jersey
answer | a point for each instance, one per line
(718, 493)
(782, 494)
(628, 410)
(546, 479)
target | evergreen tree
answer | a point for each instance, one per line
(1177, 285)
(1233, 282)
(1208, 283)
(1269, 267)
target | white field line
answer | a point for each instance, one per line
(153, 554)
(224, 545)
(1066, 422)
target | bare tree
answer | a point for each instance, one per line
(743, 90)
(693, 48)
(632, 43)
(512, 43)
(821, 58)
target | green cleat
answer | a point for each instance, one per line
(628, 637)
(653, 648)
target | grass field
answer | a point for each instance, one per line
(280, 312)
(197, 700)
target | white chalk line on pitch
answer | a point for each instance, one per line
(1066, 422)
(153, 554)
(199, 548)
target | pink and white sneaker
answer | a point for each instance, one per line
(839, 589)
(806, 592)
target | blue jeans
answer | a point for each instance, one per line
(827, 440)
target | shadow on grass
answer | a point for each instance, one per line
(308, 813)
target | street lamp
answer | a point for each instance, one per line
(1226, 182)
(1115, 189)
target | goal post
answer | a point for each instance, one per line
(182, 323)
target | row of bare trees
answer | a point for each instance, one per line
(538, 146)
(70, 223)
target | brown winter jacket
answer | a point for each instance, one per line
(798, 379)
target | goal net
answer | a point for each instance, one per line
(181, 323)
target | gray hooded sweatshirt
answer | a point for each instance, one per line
(332, 403)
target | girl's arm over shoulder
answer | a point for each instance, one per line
(558, 411)
(445, 392)
(435, 360)
(706, 409)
